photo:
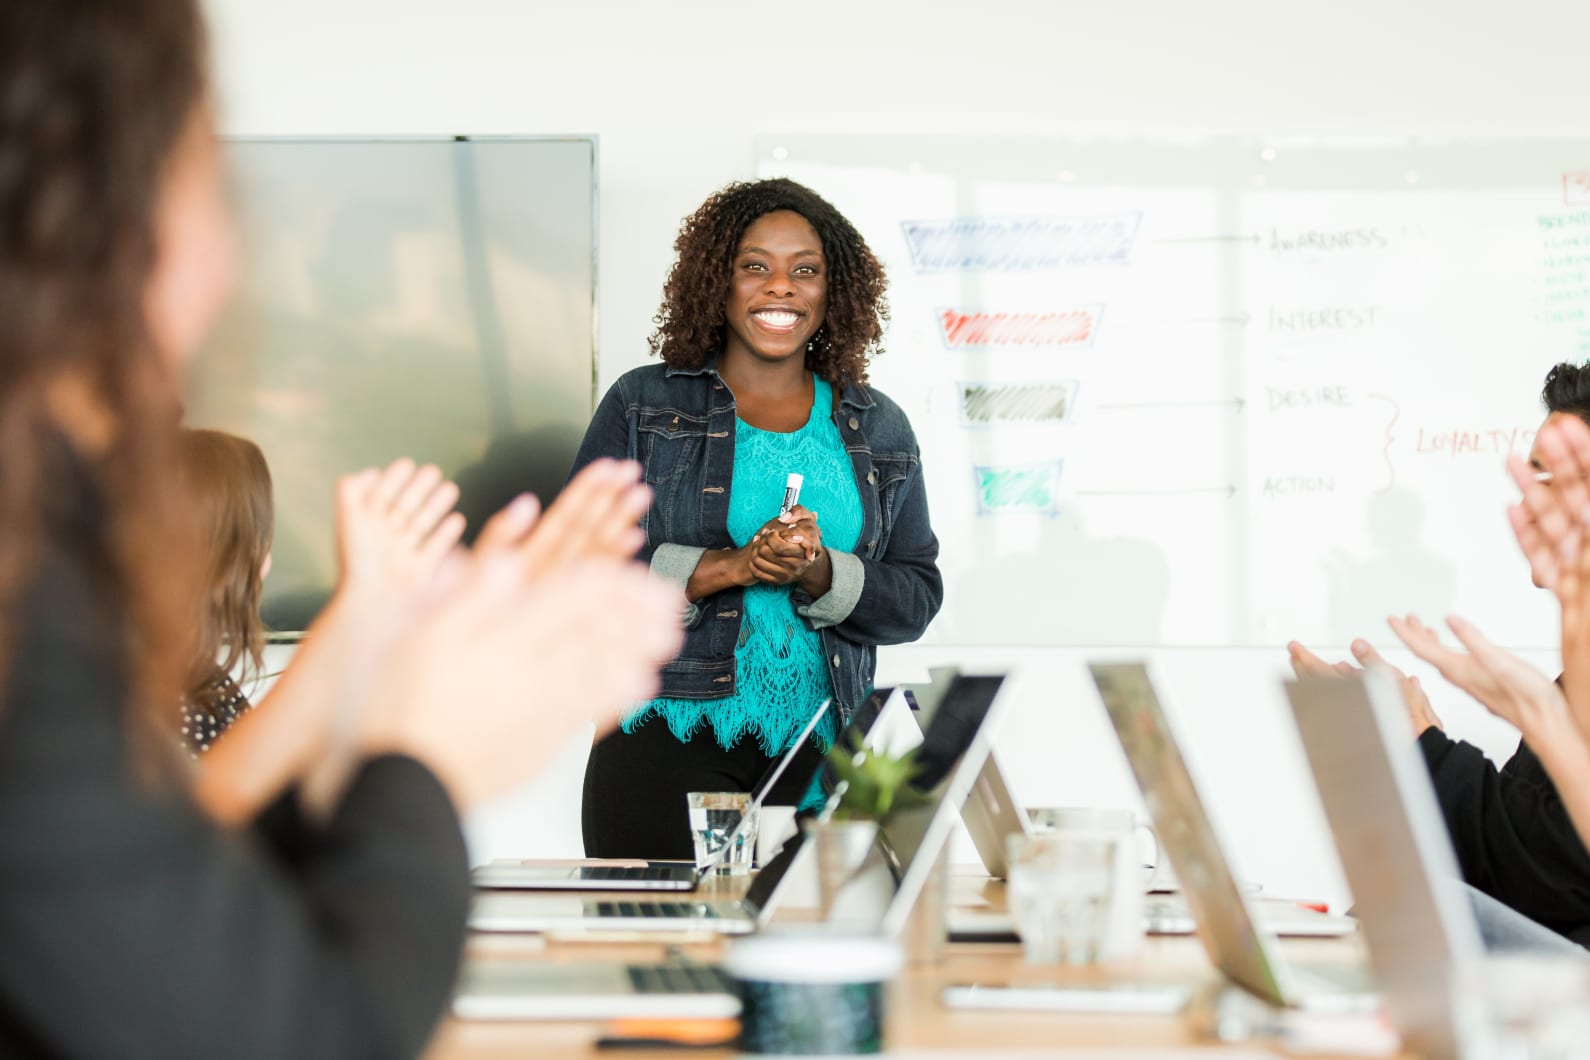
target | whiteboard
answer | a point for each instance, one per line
(1218, 391)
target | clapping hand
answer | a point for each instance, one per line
(595, 517)
(1550, 516)
(395, 528)
(1549, 522)
(1504, 684)
(512, 661)
(1420, 714)
(546, 625)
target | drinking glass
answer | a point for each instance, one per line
(715, 817)
(1060, 889)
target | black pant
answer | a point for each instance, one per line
(635, 787)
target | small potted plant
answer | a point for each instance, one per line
(872, 786)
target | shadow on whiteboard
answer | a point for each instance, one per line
(1073, 588)
(1399, 568)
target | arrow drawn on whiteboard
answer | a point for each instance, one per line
(1236, 404)
(1240, 320)
(1255, 240)
(1385, 452)
(1227, 491)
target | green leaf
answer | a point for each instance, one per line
(876, 784)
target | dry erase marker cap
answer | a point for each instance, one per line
(792, 492)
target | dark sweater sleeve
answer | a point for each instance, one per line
(133, 926)
(1511, 832)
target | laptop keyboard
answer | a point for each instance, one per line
(679, 979)
(628, 872)
(671, 910)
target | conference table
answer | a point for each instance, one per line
(919, 1024)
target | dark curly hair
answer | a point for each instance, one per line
(1567, 389)
(95, 97)
(690, 323)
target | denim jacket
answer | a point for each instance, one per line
(680, 425)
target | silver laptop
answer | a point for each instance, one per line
(955, 747)
(1237, 941)
(1418, 926)
(881, 898)
(518, 989)
(508, 910)
(538, 874)
(992, 813)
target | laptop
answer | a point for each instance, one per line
(622, 875)
(509, 910)
(513, 989)
(1419, 930)
(992, 813)
(954, 748)
(881, 898)
(1238, 942)
(608, 875)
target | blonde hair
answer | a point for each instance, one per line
(227, 485)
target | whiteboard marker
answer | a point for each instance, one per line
(792, 492)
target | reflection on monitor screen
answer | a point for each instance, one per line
(431, 299)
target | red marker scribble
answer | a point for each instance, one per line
(975, 329)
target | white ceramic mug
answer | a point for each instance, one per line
(1123, 937)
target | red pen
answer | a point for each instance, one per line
(1318, 907)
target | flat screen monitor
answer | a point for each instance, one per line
(424, 298)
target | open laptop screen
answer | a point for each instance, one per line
(862, 720)
(954, 747)
(1225, 926)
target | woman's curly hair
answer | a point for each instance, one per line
(690, 323)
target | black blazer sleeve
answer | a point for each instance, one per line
(1512, 834)
(133, 926)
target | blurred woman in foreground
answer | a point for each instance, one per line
(135, 923)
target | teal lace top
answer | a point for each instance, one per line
(782, 673)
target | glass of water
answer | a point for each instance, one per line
(715, 820)
(1059, 888)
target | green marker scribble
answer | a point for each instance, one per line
(1017, 489)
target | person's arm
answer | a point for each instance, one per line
(395, 527)
(1421, 715)
(1516, 837)
(1515, 840)
(294, 728)
(890, 598)
(136, 927)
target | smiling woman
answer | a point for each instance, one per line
(769, 317)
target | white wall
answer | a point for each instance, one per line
(678, 92)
